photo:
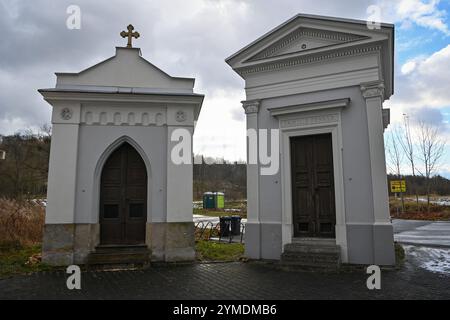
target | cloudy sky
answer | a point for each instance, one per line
(191, 38)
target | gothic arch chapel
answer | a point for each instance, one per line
(114, 195)
(123, 198)
(320, 81)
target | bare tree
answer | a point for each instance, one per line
(395, 157)
(431, 146)
(406, 143)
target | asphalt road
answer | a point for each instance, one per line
(425, 233)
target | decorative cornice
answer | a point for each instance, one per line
(287, 63)
(129, 117)
(251, 106)
(307, 107)
(304, 32)
(373, 90)
(61, 95)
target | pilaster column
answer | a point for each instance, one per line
(180, 130)
(59, 231)
(382, 231)
(62, 175)
(253, 229)
(373, 94)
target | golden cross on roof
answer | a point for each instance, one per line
(130, 34)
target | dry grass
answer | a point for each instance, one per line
(419, 212)
(204, 234)
(21, 222)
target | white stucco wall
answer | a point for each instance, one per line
(356, 162)
(98, 143)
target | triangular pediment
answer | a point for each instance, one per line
(304, 40)
(299, 47)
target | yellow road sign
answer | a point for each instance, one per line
(398, 186)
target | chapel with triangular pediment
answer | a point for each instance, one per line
(315, 88)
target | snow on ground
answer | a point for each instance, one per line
(432, 259)
(440, 201)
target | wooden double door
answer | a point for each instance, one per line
(314, 212)
(123, 198)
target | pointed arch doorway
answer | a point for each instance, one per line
(123, 198)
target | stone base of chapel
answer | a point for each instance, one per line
(67, 244)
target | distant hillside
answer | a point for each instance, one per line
(230, 178)
(24, 172)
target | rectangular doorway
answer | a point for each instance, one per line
(313, 201)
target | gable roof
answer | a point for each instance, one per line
(126, 69)
(308, 38)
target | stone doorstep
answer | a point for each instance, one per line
(310, 257)
(118, 255)
(295, 248)
(314, 241)
(120, 248)
(311, 261)
(311, 253)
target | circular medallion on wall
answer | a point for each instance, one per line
(180, 116)
(66, 114)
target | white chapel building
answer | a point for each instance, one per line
(112, 190)
(321, 82)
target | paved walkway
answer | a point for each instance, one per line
(426, 233)
(230, 281)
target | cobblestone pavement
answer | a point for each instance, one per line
(229, 281)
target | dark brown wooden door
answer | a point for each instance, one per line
(314, 213)
(123, 198)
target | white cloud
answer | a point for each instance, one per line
(422, 82)
(422, 13)
(430, 79)
(15, 125)
(184, 38)
(409, 67)
(220, 132)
